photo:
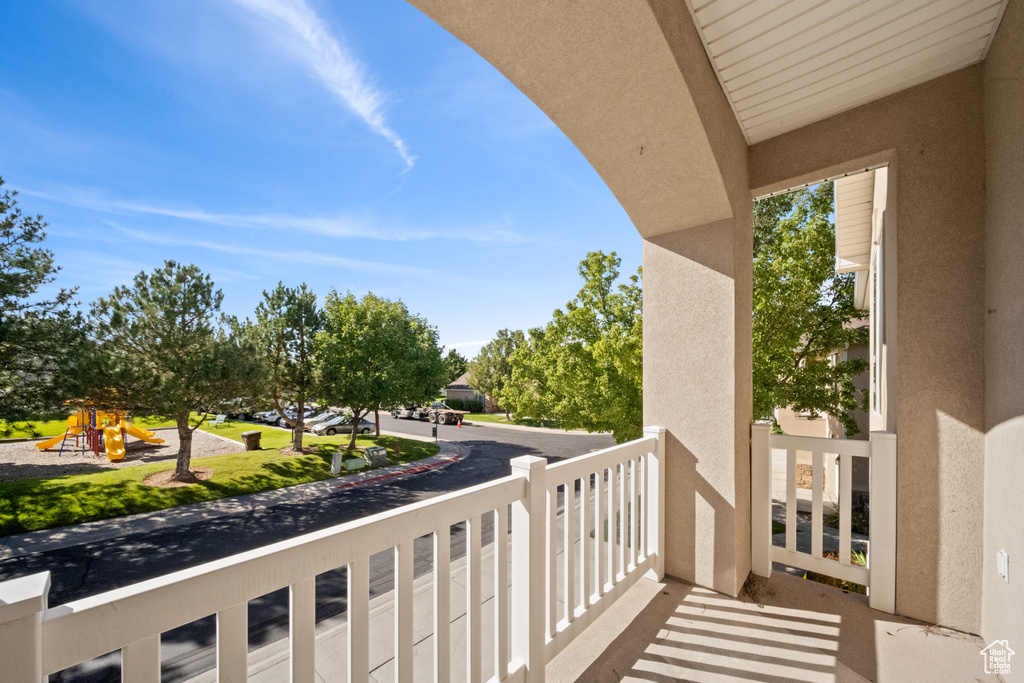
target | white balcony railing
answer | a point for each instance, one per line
(611, 533)
(879, 576)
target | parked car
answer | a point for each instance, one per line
(413, 412)
(341, 424)
(311, 422)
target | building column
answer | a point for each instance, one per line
(697, 384)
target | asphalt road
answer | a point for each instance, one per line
(97, 567)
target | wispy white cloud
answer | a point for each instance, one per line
(342, 225)
(298, 257)
(296, 26)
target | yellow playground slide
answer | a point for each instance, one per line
(144, 435)
(113, 442)
(73, 428)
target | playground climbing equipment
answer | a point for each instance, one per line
(97, 430)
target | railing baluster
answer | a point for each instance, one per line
(140, 661)
(586, 543)
(232, 643)
(552, 562)
(791, 500)
(359, 621)
(501, 592)
(569, 552)
(614, 513)
(301, 630)
(845, 507)
(600, 557)
(442, 606)
(621, 519)
(817, 481)
(403, 612)
(634, 513)
(474, 628)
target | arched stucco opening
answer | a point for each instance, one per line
(630, 85)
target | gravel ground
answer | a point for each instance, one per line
(22, 460)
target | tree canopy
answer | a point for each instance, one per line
(585, 368)
(37, 330)
(373, 353)
(491, 369)
(455, 365)
(803, 310)
(287, 322)
(163, 347)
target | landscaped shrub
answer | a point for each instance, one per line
(858, 521)
(463, 404)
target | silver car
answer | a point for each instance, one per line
(311, 422)
(342, 424)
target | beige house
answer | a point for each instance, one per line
(690, 109)
(460, 390)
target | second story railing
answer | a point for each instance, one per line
(879, 573)
(611, 524)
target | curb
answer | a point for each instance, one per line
(46, 540)
(526, 428)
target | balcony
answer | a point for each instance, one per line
(573, 541)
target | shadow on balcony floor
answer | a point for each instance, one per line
(784, 629)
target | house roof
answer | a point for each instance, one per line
(460, 382)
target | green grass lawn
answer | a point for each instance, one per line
(52, 425)
(500, 418)
(34, 504)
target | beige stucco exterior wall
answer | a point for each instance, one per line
(1003, 603)
(932, 136)
(697, 348)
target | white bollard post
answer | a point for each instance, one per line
(528, 560)
(22, 604)
(882, 544)
(761, 499)
(655, 532)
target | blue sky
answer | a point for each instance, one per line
(355, 146)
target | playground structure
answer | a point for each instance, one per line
(98, 430)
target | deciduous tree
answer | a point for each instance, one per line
(802, 310)
(455, 364)
(585, 368)
(373, 353)
(491, 369)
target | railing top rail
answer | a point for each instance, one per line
(157, 605)
(585, 465)
(817, 444)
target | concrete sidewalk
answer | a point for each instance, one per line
(90, 532)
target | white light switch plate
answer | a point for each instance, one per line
(1003, 565)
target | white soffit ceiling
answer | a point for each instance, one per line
(786, 63)
(855, 196)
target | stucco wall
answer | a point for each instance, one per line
(932, 136)
(697, 346)
(1003, 604)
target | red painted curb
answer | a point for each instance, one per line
(414, 470)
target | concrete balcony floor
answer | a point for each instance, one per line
(781, 629)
